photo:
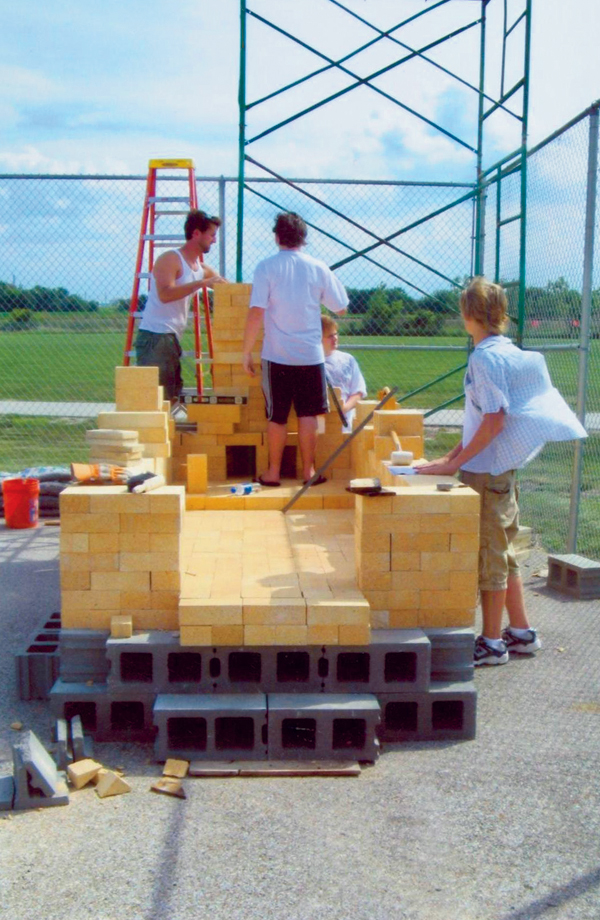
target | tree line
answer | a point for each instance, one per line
(372, 311)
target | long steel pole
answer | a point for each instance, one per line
(222, 228)
(523, 240)
(242, 144)
(480, 213)
(585, 325)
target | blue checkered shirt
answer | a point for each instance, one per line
(501, 376)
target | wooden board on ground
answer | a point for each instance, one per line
(273, 768)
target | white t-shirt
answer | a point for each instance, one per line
(342, 370)
(172, 316)
(290, 287)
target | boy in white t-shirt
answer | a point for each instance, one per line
(342, 371)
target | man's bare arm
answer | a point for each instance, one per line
(253, 325)
(167, 270)
(491, 426)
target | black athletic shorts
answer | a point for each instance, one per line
(302, 385)
(161, 350)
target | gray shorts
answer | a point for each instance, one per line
(161, 350)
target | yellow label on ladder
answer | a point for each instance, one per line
(171, 164)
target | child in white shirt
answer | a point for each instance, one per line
(342, 371)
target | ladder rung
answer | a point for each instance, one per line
(143, 274)
(156, 238)
(168, 213)
(156, 200)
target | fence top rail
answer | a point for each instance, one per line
(248, 180)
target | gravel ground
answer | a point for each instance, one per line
(506, 827)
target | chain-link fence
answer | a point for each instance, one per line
(403, 250)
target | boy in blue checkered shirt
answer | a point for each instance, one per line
(511, 411)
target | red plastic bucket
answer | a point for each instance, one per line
(21, 502)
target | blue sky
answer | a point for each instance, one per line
(101, 87)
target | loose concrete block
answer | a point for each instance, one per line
(61, 738)
(77, 740)
(574, 575)
(7, 793)
(82, 772)
(37, 781)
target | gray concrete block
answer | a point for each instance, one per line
(396, 659)
(118, 715)
(30, 757)
(68, 699)
(37, 665)
(574, 575)
(218, 726)
(323, 726)
(37, 781)
(446, 712)
(83, 655)
(61, 738)
(451, 654)
(76, 731)
(7, 793)
(155, 660)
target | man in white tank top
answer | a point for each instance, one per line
(176, 276)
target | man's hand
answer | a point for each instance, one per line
(442, 467)
(248, 364)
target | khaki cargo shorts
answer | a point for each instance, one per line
(499, 525)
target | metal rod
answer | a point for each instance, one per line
(222, 228)
(584, 339)
(339, 450)
(480, 215)
(241, 145)
(366, 81)
(354, 223)
(346, 245)
(397, 41)
(523, 234)
(426, 386)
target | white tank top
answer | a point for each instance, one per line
(169, 317)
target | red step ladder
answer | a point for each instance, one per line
(153, 210)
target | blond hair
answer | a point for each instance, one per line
(328, 325)
(486, 303)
